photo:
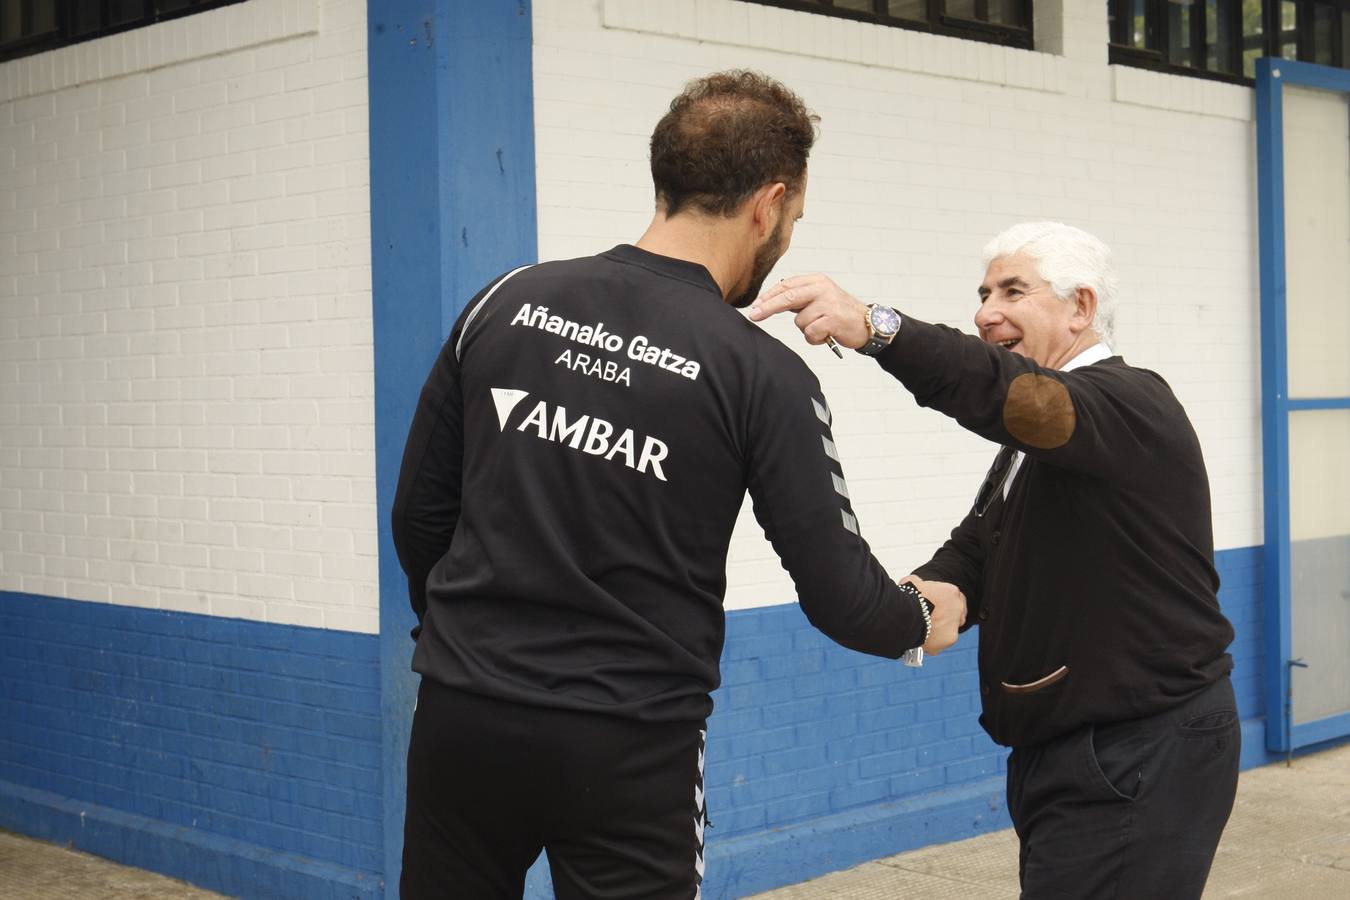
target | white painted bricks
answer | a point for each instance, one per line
(186, 374)
(928, 147)
(185, 333)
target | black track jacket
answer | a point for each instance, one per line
(574, 470)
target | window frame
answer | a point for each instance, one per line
(1272, 39)
(937, 21)
(61, 36)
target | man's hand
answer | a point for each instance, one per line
(949, 611)
(824, 309)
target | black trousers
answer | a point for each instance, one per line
(617, 804)
(1131, 810)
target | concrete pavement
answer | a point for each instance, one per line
(1288, 839)
(36, 870)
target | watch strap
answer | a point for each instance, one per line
(875, 342)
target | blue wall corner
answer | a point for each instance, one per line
(241, 756)
(452, 206)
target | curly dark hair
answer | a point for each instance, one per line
(727, 135)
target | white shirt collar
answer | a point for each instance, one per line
(1096, 353)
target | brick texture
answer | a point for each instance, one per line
(803, 728)
(928, 147)
(262, 733)
(185, 318)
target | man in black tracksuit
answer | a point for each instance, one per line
(1088, 561)
(578, 458)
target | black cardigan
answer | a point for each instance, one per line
(1094, 581)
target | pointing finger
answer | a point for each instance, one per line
(764, 305)
(780, 298)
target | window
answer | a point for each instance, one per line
(35, 26)
(995, 21)
(1224, 38)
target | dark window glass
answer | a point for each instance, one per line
(1221, 43)
(1224, 38)
(1288, 30)
(35, 26)
(1131, 25)
(1180, 26)
(44, 17)
(1326, 32)
(84, 18)
(915, 10)
(995, 21)
(995, 12)
(1253, 36)
(11, 21)
(1008, 12)
(121, 12)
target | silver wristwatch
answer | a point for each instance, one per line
(882, 325)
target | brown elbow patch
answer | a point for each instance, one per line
(1038, 411)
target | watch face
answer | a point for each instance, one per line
(885, 321)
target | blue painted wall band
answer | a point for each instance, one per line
(453, 205)
(818, 757)
(237, 755)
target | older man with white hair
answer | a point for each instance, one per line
(1087, 560)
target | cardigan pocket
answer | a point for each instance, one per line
(1039, 684)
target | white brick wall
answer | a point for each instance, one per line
(929, 146)
(186, 376)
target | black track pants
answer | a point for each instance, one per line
(617, 804)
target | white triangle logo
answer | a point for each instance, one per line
(506, 400)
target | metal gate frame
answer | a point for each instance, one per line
(1271, 75)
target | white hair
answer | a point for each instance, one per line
(1068, 258)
